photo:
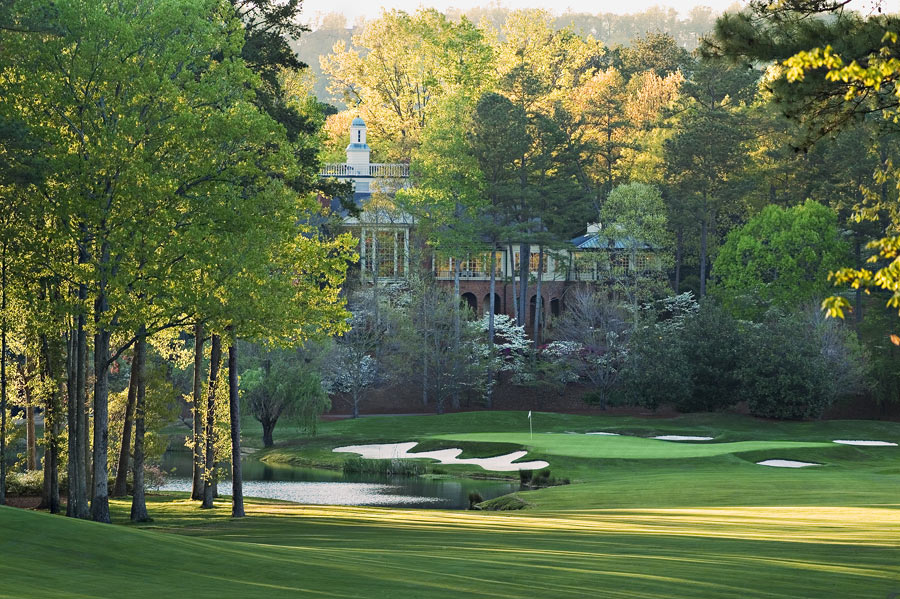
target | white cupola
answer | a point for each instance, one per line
(358, 149)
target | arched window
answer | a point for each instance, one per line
(471, 302)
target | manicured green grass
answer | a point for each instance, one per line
(634, 470)
(295, 551)
(643, 519)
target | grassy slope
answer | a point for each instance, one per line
(290, 551)
(684, 520)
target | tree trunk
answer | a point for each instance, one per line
(3, 379)
(679, 250)
(30, 439)
(100, 496)
(215, 358)
(857, 299)
(703, 233)
(268, 428)
(237, 481)
(512, 276)
(489, 396)
(83, 483)
(356, 403)
(538, 314)
(524, 270)
(139, 376)
(78, 485)
(634, 289)
(47, 368)
(120, 488)
(456, 333)
(197, 446)
(71, 473)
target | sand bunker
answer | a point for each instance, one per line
(682, 438)
(865, 443)
(388, 451)
(606, 434)
(786, 463)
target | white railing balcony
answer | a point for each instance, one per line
(380, 170)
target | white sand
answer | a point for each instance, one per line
(605, 434)
(388, 451)
(787, 464)
(682, 438)
(865, 443)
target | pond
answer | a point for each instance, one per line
(326, 487)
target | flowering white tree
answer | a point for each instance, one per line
(351, 366)
(512, 347)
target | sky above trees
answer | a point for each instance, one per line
(353, 9)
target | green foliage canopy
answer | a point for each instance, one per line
(781, 257)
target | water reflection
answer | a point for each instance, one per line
(324, 487)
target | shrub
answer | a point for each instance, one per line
(31, 483)
(656, 371)
(25, 484)
(542, 479)
(525, 476)
(504, 503)
(474, 499)
(784, 374)
(394, 467)
(713, 347)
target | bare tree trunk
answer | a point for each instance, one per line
(3, 322)
(524, 271)
(634, 289)
(30, 438)
(703, 234)
(857, 300)
(209, 470)
(538, 314)
(120, 488)
(139, 375)
(100, 497)
(489, 397)
(679, 251)
(424, 328)
(456, 333)
(197, 449)
(512, 276)
(78, 484)
(71, 472)
(237, 480)
(47, 370)
(85, 424)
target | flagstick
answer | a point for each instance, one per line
(530, 427)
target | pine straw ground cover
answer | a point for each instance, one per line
(642, 519)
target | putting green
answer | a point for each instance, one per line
(624, 447)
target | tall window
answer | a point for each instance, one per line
(385, 252)
(619, 262)
(533, 262)
(644, 262)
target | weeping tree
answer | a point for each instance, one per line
(285, 385)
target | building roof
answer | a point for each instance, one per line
(358, 122)
(359, 200)
(595, 241)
